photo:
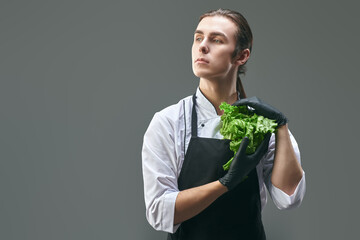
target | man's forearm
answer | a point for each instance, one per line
(287, 171)
(192, 201)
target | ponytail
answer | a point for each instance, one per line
(240, 87)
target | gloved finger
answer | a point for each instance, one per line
(252, 102)
(263, 147)
(245, 102)
(241, 102)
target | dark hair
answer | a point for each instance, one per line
(243, 37)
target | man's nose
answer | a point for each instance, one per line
(203, 47)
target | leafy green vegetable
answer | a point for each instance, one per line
(239, 122)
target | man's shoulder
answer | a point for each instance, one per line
(174, 112)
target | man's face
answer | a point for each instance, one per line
(213, 46)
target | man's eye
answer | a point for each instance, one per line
(198, 39)
(217, 40)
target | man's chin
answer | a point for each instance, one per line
(202, 74)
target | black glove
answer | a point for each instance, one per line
(263, 109)
(242, 163)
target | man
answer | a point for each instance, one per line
(186, 191)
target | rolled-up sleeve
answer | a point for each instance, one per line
(281, 199)
(160, 174)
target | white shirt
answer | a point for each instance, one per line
(164, 147)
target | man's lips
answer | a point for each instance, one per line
(201, 60)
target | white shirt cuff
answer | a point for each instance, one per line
(284, 201)
(168, 213)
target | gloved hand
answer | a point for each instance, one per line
(242, 163)
(263, 109)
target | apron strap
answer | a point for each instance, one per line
(194, 118)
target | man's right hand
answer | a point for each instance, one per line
(242, 163)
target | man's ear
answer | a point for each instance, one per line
(242, 57)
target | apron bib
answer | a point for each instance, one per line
(236, 214)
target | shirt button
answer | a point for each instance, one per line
(202, 125)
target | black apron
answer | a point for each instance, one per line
(234, 215)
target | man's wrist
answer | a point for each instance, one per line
(222, 187)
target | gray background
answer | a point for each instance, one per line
(81, 80)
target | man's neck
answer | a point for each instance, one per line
(217, 92)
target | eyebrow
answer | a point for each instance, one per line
(211, 34)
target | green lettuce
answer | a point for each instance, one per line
(239, 122)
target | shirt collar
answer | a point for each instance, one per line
(203, 102)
